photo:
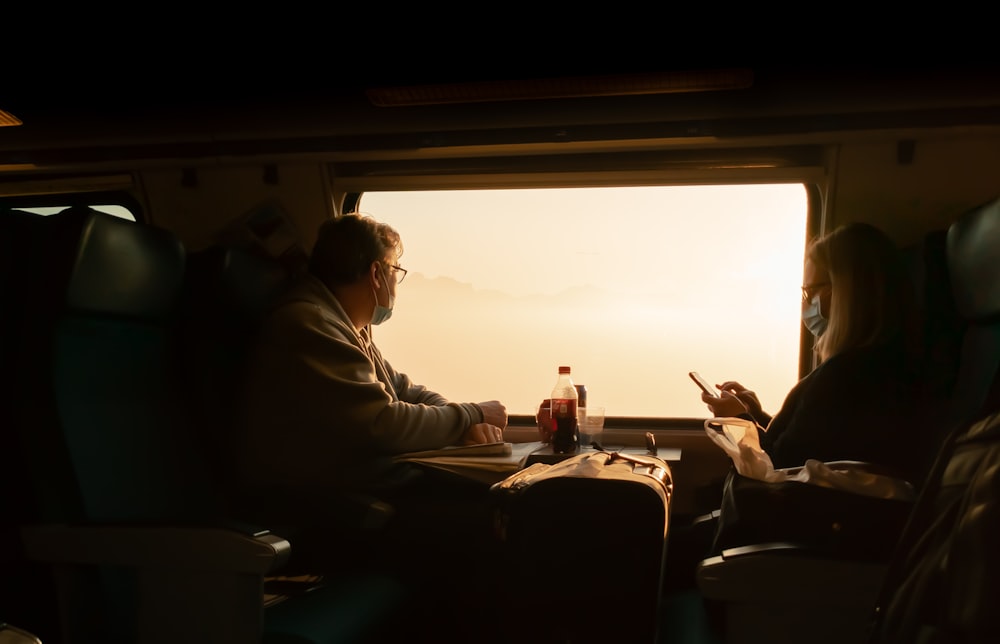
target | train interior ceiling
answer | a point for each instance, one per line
(198, 157)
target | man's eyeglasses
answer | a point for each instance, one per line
(809, 291)
(400, 273)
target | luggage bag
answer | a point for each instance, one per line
(584, 543)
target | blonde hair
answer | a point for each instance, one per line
(870, 290)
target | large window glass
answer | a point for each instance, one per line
(631, 287)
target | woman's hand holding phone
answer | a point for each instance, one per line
(728, 400)
(703, 384)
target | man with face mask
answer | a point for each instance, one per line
(325, 412)
(856, 303)
(323, 407)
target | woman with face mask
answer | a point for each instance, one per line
(858, 402)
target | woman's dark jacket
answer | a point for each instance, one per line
(860, 405)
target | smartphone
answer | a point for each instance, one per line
(703, 384)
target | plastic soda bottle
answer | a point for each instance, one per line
(566, 431)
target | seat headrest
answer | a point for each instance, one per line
(973, 248)
(114, 266)
(235, 279)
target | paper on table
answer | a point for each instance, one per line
(482, 449)
(486, 468)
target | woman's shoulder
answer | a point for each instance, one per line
(892, 352)
(879, 362)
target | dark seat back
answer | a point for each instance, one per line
(939, 326)
(27, 597)
(18, 239)
(973, 251)
(942, 584)
(106, 312)
(939, 330)
(227, 290)
(100, 421)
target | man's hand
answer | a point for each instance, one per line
(494, 413)
(482, 433)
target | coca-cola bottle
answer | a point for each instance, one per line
(565, 437)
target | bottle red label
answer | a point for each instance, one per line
(565, 432)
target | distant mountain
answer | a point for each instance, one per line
(446, 289)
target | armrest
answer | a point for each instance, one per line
(788, 572)
(12, 635)
(209, 548)
(199, 585)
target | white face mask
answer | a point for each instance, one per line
(382, 313)
(812, 317)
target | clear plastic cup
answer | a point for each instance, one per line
(592, 426)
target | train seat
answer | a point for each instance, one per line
(13, 635)
(779, 592)
(973, 250)
(940, 330)
(942, 581)
(27, 597)
(226, 291)
(939, 325)
(132, 519)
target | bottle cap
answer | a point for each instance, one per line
(564, 370)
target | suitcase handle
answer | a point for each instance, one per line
(643, 465)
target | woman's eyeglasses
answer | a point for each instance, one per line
(809, 291)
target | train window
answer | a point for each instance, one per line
(632, 287)
(111, 209)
